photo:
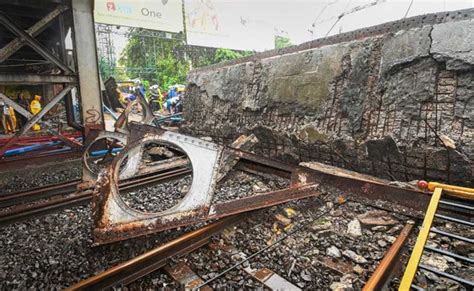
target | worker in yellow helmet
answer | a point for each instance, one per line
(35, 108)
(12, 119)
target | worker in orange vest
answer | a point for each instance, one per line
(35, 108)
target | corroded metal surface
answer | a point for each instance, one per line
(115, 220)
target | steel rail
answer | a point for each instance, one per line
(131, 270)
(80, 198)
(38, 193)
(69, 187)
(382, 275)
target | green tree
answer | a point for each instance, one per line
(171, 71)
(145, 55)
(282, 42)
(106, 69)
(223, 54)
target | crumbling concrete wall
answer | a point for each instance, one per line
(388, 100)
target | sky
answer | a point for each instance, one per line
(296, 17)
(303, 20)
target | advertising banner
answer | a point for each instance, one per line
(226, 24)
(164, 15)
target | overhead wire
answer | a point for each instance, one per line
(408, 10)
(355, 9)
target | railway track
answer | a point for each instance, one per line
(65, 195)
(182, 269)
(155, 259)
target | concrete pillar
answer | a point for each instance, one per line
(87, 65)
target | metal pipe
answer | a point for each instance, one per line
(450, 254)
(452, 235)
(447, 275)
(417, 252)
(452, 219)
(463, 206)
(382, 275)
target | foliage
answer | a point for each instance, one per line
(223, 54)
(166, 61)
(282, 42)
(142, 54)
(171, 71)
(106, 69)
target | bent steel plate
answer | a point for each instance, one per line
(115, 220)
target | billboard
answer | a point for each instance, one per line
(226, 24)
(164, 15)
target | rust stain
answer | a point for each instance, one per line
(263, 274)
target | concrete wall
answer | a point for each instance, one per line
(385, 100)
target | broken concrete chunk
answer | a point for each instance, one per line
(354, 257)
(359, 270)
(457, 49)
(377, 217)
(334, 252)
(448, 142)
(345, 284)
(435, 261)
(354, 228)
(404, 47)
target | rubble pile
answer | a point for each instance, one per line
(334, 248)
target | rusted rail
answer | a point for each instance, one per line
(155, 259)
(38, 193)
(382, 275)
(60, 202)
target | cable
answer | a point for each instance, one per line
(355, 9)
(322, 11)
(267, 247)
(408, 10)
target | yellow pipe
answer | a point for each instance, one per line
(433, 185)
(417, 252)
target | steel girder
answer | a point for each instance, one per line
(33, 43)
(34, 30)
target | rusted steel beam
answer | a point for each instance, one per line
(38, 193)
(155, 259)
(358, 185)
(263, 200)
(35, 118)
(33, 43)
(115, 220)
(22, 213)
(28, 160)
(18, 108)
(383, 274)
(34, 30)
(32, 79)
(228, 160)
